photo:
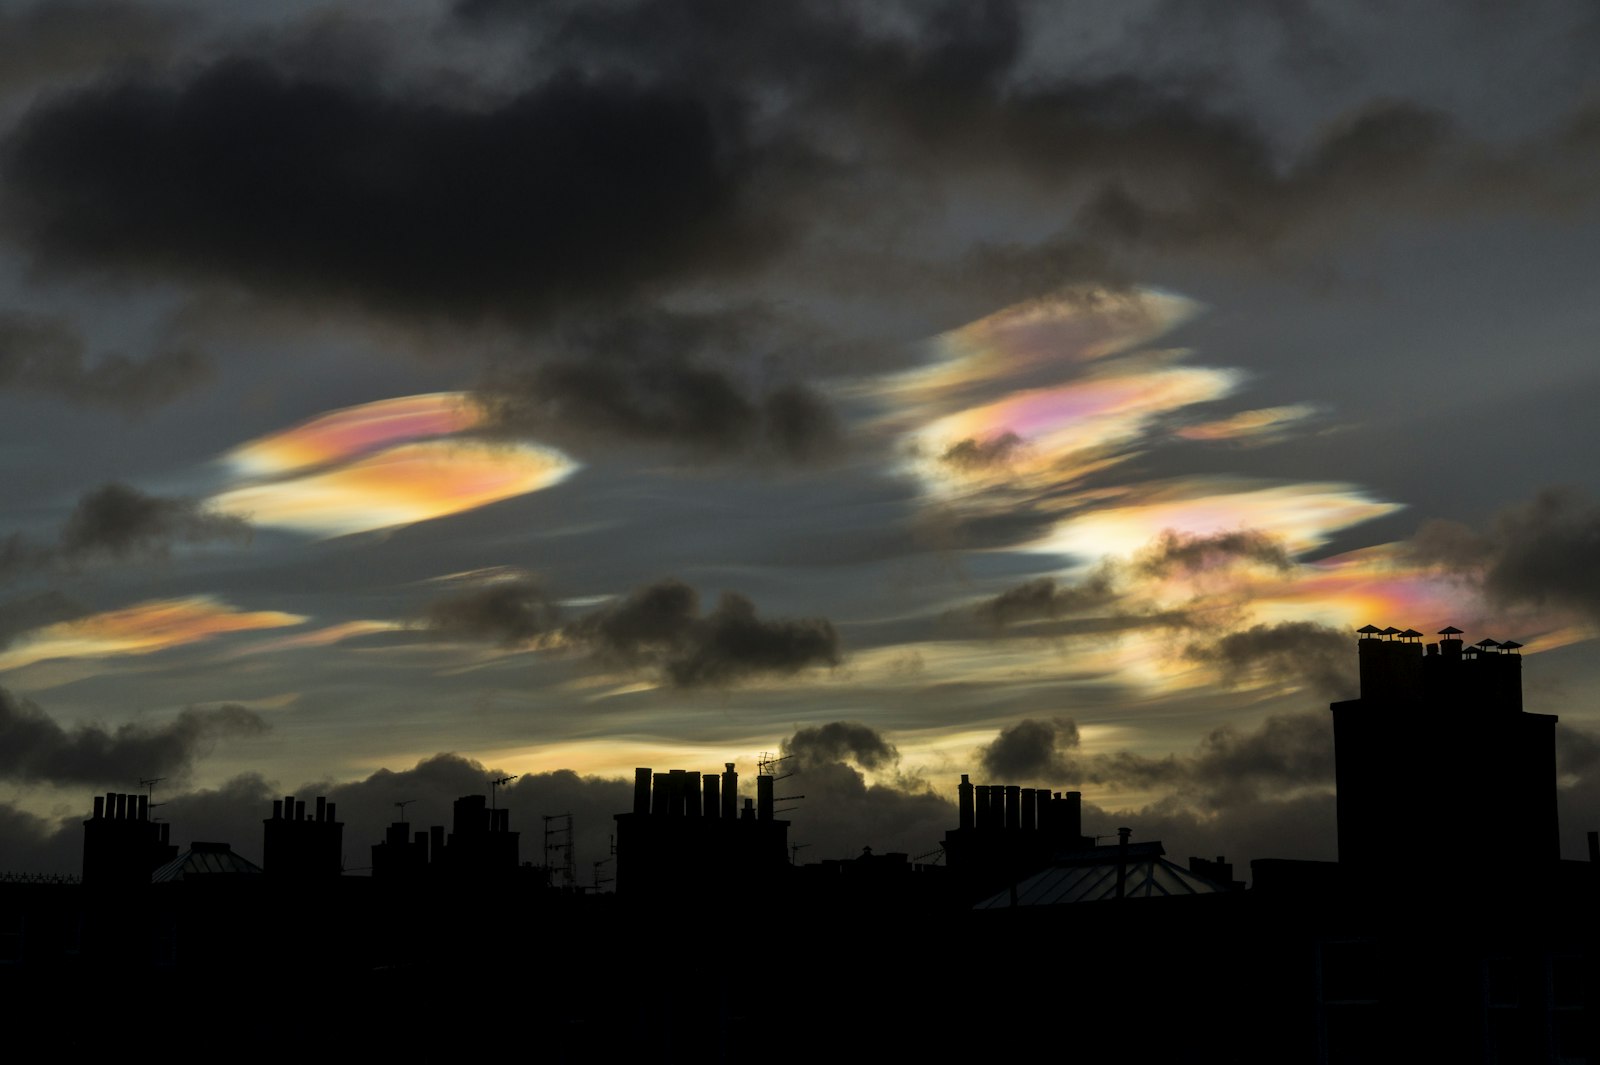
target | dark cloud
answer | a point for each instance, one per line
(1044, 597)
(1282, 755)
(1286, 752)
(1174, 551)
(1543, 552)
(702, 409)
(649, 149)
(973, 454)
(659, 615)
(509, 613)
(690, 380)
(839, 812)
(840, 741)
(1032, 750)
(575, 190)
(661, 625)
(19, 616)
(46, 355)
(29, 844)
(119, 522)
(52, 39)
(34, 748)
(1301, 651)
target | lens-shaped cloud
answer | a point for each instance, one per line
(393, 462)
(1059, 432)
(1301, 516)
(405, 484)
(1041, 337)
(1256, 426)
(143, 628)
(345, 434)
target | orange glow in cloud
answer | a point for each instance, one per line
(323, 637)
(1268, 421)
(405, 484)
(142, 629)
(1302, 516)
(1043, 333)
(354, 431)
(1081, 419)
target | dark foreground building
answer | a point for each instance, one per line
(1448, 931)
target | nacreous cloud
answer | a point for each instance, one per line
(393, 462)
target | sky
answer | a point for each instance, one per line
(1043, 392)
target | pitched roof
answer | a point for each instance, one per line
(205, 859)
(1090, 876)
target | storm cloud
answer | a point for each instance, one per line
(1179, 552)
(507, 612)
(661, 625)
(23, 615)
(840, 741)
(116, 523)
(1045, 597)
(35, 749)
(577, 189)
(120, 522)
(46, 356)
(1284, 754)
(1032, 749)
(1302, 651)
(1544, 551)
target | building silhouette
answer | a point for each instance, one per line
(1449, 930)
(298, 847)
(688, 837)
(480, 843)
(1438, 738)
(121, 845)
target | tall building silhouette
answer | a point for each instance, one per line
(121, 845)
(688, 836)
(1438, 743)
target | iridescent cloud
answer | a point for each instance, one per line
(1255, 425)
(353, 431)
(392, 462)
(1302, 516)
(404, 484)
(1041, 335)
(1063, 430)
(142, 629)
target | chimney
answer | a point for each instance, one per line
(322, 807)
(641, 791)
(964, 793)
(983, 807)
(277, 809)
(675, 785)
(713, 798)
(1029, 810)
(764, 797)
(100, 809)
(730, 792)
(1074, 815)
(691, 794)
(658, 795)
(1013, 795)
